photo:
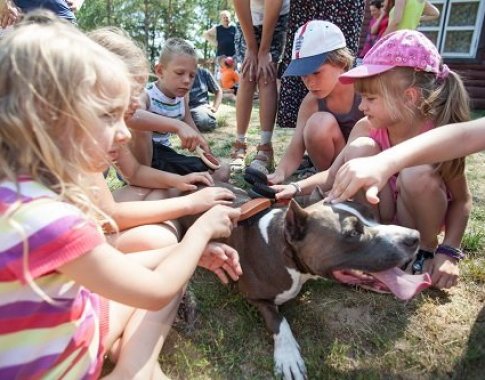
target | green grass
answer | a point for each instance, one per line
(344, 333)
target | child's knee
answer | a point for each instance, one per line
(420, 180)
(321, 123)
(147, 237)
(321, 127)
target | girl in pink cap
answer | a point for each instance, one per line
(407, 90)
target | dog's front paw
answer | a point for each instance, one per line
(289, 364)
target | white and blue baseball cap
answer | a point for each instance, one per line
(312, 43)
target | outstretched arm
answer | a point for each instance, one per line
(437, 145)
(396, 16)
(211, 35)
(115, 276)
(430, 12)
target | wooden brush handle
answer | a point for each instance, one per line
(253, 207)
(208, 158)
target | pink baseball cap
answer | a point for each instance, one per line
(403, 48)
(311, 45)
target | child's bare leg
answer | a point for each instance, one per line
(144, 238)
(134, 193)
(422, 203)
(323, 139)
(140, 340)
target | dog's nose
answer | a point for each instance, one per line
(412, 240)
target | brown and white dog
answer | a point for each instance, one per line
(285, 246)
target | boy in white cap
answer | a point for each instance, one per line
(330, 109)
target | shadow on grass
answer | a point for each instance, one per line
(472, 364)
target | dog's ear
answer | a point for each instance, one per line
(295, 221)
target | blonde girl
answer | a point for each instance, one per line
(406, 90)
(62, 100)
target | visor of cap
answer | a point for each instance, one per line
(363, 71)
(305, 66)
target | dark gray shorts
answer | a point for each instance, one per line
(277, 44)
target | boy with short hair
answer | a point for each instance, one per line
(168, 96)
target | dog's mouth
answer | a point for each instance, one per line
(403, 285)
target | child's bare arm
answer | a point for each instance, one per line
(396, 18)
(190, 122)
(324, 180)
(437, 145)
(147, 121)
(106, 271)
(211, 35)
(138, 213)
(145, 176)
(430, 12)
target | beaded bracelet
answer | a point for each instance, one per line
(297, 187)
(454, 253)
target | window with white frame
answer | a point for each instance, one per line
(457, 31)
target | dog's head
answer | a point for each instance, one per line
(346, 236)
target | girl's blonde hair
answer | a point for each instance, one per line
(442, 101)
(55, 85)
(119, 42)
(174, 47)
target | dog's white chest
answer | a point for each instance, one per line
(298, 279)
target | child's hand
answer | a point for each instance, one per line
(208, 197)
(221, 259)
(444, 271)
(276, 178)
(219, 221)
(9, 13)
(284, 191)
(367, 173)
(189, 138)
(188, 182)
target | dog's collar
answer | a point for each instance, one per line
(300, 265)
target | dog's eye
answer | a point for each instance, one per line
(353, 228)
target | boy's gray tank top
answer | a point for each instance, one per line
(346, 121)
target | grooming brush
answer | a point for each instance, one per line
(253, 176)
(208, 158)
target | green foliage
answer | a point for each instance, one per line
(150, 22)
